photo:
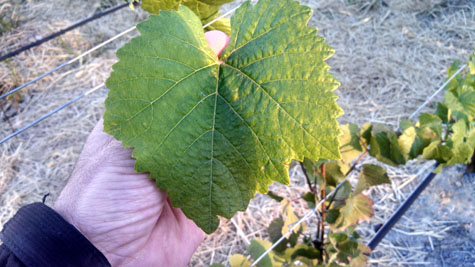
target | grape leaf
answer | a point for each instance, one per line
(275, 232)
(357, 208)
(385, 148)
(463, 105)
(371, 175)
(333, 173)
(206, 10)
(302, 253)
(407, 138)
(239, 260)
(213, 132)
(432, 123)
(258, 247)
(290, 218)
(361, 259)
(222, 24)
(443, 112)
(341, 195)
(351, 144)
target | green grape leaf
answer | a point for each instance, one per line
(275, 229)
(275, 232)
(257, 248)
(463, 105)
(341, 248)
(385, 148)
(431, 124)
(437, 151)
(336, 238)
(470, 138)
(303, 253)
(443, 112)
(342, 194)
(309, 197)
(274, 196)
(333, 173)
(454, 83)
(462, 153)
(463, 143)
(214, 131)
(332, 216)
(309, 167)
(459, 129)
(357, 208)
(361, 259)
(418, 147)
(366, 131)
(371, 175)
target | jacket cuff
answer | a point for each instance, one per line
(39, 236)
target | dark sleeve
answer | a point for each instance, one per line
(38, 236)
(7, 258)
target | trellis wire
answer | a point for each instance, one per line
(37, 78)
(308, 214)
(60, 32)
(51, 113)
(84, 94)
(220, 17)
(92, 50)
(436, 93)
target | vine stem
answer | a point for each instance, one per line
(322, 221)
(353, 167)
(295, 225)
(312, 189)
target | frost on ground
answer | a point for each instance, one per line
(390, 55)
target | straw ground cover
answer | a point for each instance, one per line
(389, 57)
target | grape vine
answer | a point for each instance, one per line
(214, 131)
(446, 136)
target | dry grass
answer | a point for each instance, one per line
(390, 55)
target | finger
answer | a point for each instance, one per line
(217, 40)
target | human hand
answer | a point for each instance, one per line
(122, 212)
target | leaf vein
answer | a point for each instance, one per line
(260, 35)
(278, 104)
(252, 130)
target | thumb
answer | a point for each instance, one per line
(217, 40)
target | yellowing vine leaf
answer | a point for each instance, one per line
(239, 260)
(371, 175)
(206, 10)
(213, 132)
(290, 218)
(357, 208)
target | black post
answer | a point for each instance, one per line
(401, 210)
